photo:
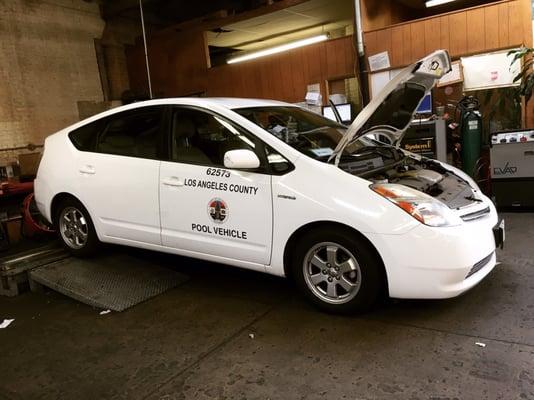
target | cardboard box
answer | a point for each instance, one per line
(29, 163)
(13, 230)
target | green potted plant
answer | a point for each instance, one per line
(526, 73)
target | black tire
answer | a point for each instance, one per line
(368, 271)
(91, 244)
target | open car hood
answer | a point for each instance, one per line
(390, 112)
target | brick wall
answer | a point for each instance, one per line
(47, 65)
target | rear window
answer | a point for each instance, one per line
(134, 133)
(84, 138)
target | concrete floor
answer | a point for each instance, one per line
(233, 334)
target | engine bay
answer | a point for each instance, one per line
(383, 164)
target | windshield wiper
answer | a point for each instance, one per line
(472, 198)
(319, 129)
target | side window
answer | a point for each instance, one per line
(84, 138)
(134, 133)
(202, 138)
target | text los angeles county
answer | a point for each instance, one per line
(222, 186)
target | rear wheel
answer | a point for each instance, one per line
(75, 228)
(337, 271)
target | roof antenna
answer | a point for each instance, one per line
(146, 50)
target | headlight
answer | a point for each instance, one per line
(422, 207)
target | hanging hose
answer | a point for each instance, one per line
(482, 175)
(33, 222)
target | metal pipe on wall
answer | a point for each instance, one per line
(146, 49)
(358, 25)
(363, 81)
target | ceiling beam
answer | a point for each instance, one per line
(222, 18)
(111, 9)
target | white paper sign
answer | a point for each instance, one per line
(379, 61)
(489, 71)
(453, 76)
(314, 98)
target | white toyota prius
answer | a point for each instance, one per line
(272, 187)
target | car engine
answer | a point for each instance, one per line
(424, 175)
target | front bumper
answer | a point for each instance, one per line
(436, 263)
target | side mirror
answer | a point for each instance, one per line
(241, 159)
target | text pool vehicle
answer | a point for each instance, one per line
(271, 187)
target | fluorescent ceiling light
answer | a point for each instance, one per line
(433, 3)
(278, 49)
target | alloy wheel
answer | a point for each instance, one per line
(332, 273)
(73, 227)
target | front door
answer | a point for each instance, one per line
(205, 207)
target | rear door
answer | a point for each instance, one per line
(119, 179)
(205, 207)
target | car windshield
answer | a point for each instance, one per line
(306, 131)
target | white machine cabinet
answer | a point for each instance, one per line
(512, 167)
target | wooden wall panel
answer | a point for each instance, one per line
(515, 25)
(324, 65)
(476, 32)
(528, 40)
(285, 76)
(418, 39)
(397, 54)
(339, 50)
(266, 85)
(313, 66)
(377, 14)
(406, 44)
(287, 87)
(458, 33)
(178, 65)
(444, 38)
(383, 37)
(503, 24)
(491, 23)
(369, 40)
(136, 70)
(331, 61)
(432, 34)
(500, 25)
(277, 79)
(351, 62)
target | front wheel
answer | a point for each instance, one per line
(76, 229)
(337, 271)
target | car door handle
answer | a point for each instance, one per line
(172, 181)
(87, 169)
(529, 153)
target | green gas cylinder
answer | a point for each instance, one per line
(471, 139)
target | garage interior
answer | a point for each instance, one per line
(136, 324)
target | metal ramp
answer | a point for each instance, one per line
(110, 281)
(14, 269)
